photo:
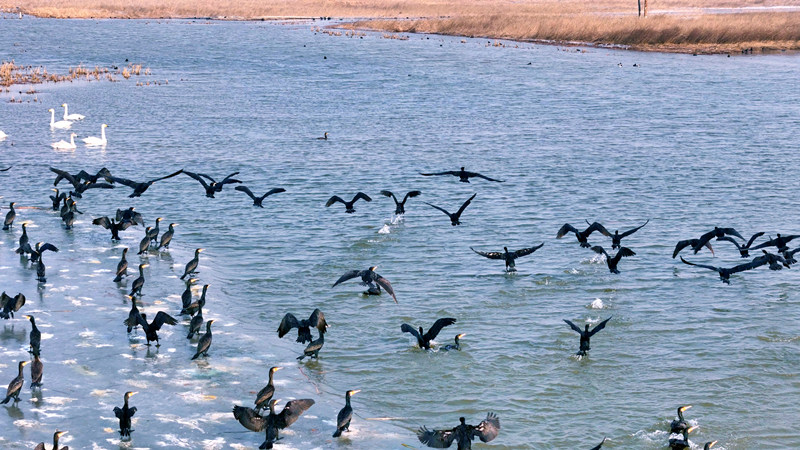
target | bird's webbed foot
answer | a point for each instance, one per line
(585, 245)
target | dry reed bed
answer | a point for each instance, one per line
(12, 73)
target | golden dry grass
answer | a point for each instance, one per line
(685, 28)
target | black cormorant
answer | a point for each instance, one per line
(316, 320)
(788, 255)
(138, 283)
(424, 339)
(265, 394)
(205, 342)
(122, 266)
(191, 266)
(151, 329)
(616, 238)
(10, 216)
(37, 369)
(455, 218)
(463, 433)
(348, 205)
(35, 337)
(457, 345)
(57, 199)
(129, 215)
(196, 323)
(194, 307)
(368, 277)
(290, 413)
(600, 445)
(780, 242)
(586, 335)
(709, 445)
(144, 244)
(110, 224)
(38, 249)
(56, 437)
(324, 137)
(124, 415)
(462, 175)
(133, 316)
(257, 200)
(345, 414)
(186, 296)
(213, 186)
(775, 262)
(744, 250)
(10, 305)
(696, 245)
(683, 442)
(399, 207)
(166, 238)
(508, 256)
(153, 233)
(725, 273)
(15, 385)
(23, 240)
(313, 348)
(249, 418)
(40, 271)
(613, 261)
(679, 424)
(583, 236)
(140, 188)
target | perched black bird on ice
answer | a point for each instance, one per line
(345, 414)
(463, 433)
(56, 436)
(125, 414)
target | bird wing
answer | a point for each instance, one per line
(272, 191)
(4, 298)
(361, 195)
(6, 169)
(384, 283)
(488, 429)
(124, 181)
(19, 301)
(198, 178)
(600, 250)
(476, 174)
(333, 200)
(436, 438)
(527, 251)
(249, 418)
(449, 172)
(246, 190)
(633, 230)
(292, 411)
(406, 328)
(599, 446)
(730, 239)
(48, 246)
(750, 242)
(161, 319)
(62, 174)
(464, 206)
(599, 327)
(317, 320)
(164, 178)
(732, 232)
(207, 176)
(99, 186)
(755, 262)
(682, 245)
(566, 228)
(700, 265)
(227, 180)
(437, 327)
(118, 412)
(440, 209)
(389, 194)
(490, 255)
(573, 326)
(288, 322)
(347, 276)
(410, 194)
(625, 251)
(596, 226)
(103, 222)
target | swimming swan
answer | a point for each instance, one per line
(64, 145)
(62, 124)
(68, 116)
(97, 141)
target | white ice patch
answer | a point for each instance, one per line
(596, 304)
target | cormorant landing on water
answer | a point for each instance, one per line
(582, 236)
(424, 339)
(257, 200)
(455, 218)
(348, 205)
(725, 274)
(613, 261)
(368, 277)
(140, 188)
(463, 433)
(399, 207)
(213, 186)
(463, 175)
(744, 250)
(679, 424)
(508, 256)
(616, 238)
(586, 335)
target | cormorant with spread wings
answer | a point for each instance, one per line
(151, 329)
(463, 175)
(400, 207)
(316, 320)
(463, 433)
(582, 236)
(508, 256)
(613, 261)
(278, 421)
(455, 218)
(586, 335)
(424, 339)
(348, 205)
(368, 277)
(140, 188)
(257, 200)
(744, 250)
(213, 186)
(725, 273)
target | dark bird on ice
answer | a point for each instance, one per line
(130, 215)
(278, 421)
(144, 244)
(613, 261)
(583, 236)
(133, 316)
(212, 186)
(111, 224)
(586, 334)
(725, 273)
(57, 199)
(9, 305)
(125, 415)
(368, 277)
(508, 256)
(153, 233)
(463, 175)
(316, 320)
(399, 207)
(140, 188)
(257, 200)
(23, 240)
(194, 307)
(679, 424)
(138, 283)
(205, 342)
(122, 266)
(38, 249)
(151, 329)
(15, 386)
(313, 348)
(191, 266)
(35, 337)
(265, 394)
(744, 250)
(166, 238)
(455, 218)
(196, 323)
(463, 433)
(56, 436)
(424, 339)
(345, 414)
(10, 216)
(348, 205)
(37, 369)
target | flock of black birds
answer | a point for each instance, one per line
(264, 417)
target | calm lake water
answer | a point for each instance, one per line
(687, 142)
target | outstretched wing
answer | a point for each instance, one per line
(600, 250)
(333, 200)
(103, 222)
(437, 327)
(599, 327)
(361, 195)
(124, 181)
(449, 172)
(347, 276)
(384, 283)
(246, 190)
(317, 319)
(488, 429)
(596, 226)
(197, 177)
(477, 175)
(633, 230)
(406, 328)
(164, 178)
(700, 265)
(750, 242)
(410, 194)
(389, 194)
(755, 262)
(732, 232)
(272, 191)
(573, 326)
(440, 209)
(436, 438)
(289, 321)
(682, 245)
(599, 446)
(292, 411)
(118, 412)
(566, 228)
(464, 206)
(229, 179)
(161, 319)
(99, 186)
(527, 251)
(625, 251)
(48, 246)
(63, 175)
(490, 255)
(249, 418)
(730, 239)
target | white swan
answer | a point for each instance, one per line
(64, 145)
(62, 124)
(2, 135)
(68, 116)
(97, 141)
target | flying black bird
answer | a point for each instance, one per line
(122, 266)
(715, 233)
(82, 181)
(257, 200)
(56, 437)
(278, 421)
(583, 236)
(775, 262)
(455, 217)
(313, 348)
(616, 238)
(725, 274)
(15, 386)
(249, 418)
(35, 337)
(110, 224)
(744, 250)
(600, 445)
(265, 394)
(679, 424)
(586, 335)
(348, 205)
(424, 339)
(463, 175)
(316, 320)
(696, 245)
(613, 261)
(191, 266)
(129, 215)
(463, 433)
(124, 415)
(151, 329)
(682, 443)
(204, 343)
(213, 186)
(138, 283)
(10, 216)
(508, 256)
(780, 242)
(140, 188)
(345, 414)
(166, 238)
(399, 207)
(37, 369)
(788, 255)
(368, 277)
(10, 305)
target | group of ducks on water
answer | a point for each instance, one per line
(66, 124)
(272, 421)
